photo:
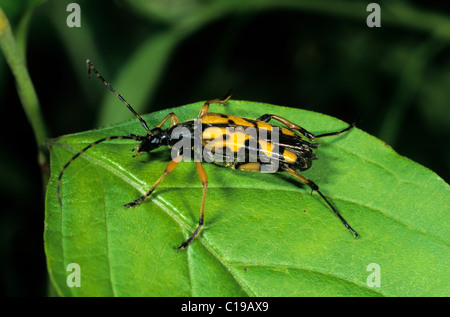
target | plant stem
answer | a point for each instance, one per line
(25, 87)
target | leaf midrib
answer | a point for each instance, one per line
(171, 211)
(143, 189)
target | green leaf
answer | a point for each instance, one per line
(264, 234)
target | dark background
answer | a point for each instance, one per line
(315, 55)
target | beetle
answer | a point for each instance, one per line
(221, 138)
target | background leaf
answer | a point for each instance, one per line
(265, 235)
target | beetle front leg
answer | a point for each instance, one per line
(170, 167)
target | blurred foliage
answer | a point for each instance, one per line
(315, 55)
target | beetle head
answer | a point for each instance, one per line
(153, 140)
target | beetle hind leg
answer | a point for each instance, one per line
(314, 187)
(299, 129)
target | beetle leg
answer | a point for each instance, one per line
(205, 107)
(287, 123)
(170, 167)
(299, 129)
(173, 120)
(314, 187)
(204, 179)
(334, 133)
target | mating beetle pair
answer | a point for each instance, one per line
(292, 149)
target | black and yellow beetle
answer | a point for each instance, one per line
(291, 149)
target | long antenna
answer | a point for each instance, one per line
(91, 67)
(58, 184)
